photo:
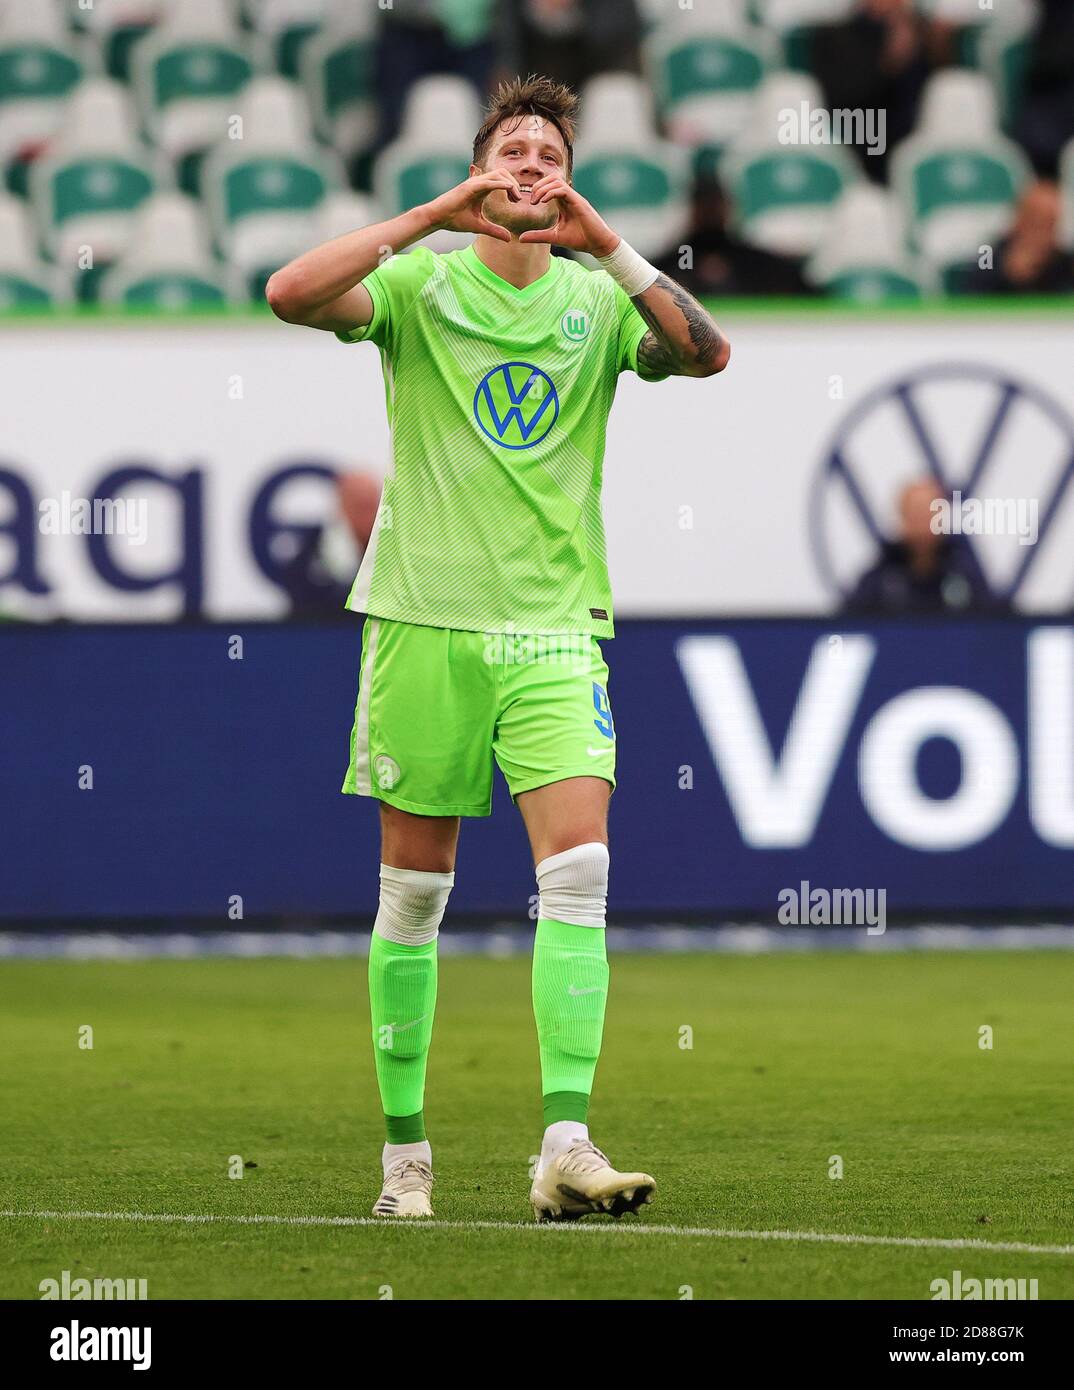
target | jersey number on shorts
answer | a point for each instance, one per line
(603, 721)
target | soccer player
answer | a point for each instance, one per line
(486, 591)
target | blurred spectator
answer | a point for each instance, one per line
(923, 571)
(1029, 260)
(570, 40)
(719, 262)
(1046, 121)
(874, 61)
(421, 38)
(318, 576)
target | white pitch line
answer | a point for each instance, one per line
(614, 1228)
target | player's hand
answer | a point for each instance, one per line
(579, 226)
(460, 209)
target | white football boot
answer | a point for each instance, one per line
(408, 1183)
(580, 1180)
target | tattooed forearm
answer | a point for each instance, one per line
(683, 339)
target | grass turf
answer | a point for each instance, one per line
(794, 1059)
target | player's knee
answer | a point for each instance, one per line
(574, 885)
(412, 904)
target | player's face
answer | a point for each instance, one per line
(529, 150)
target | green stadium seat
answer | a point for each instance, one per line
(957, 177)
(26, 282)
(863, 255)
(783, 194)
(95, 177)
(170, 292)
(1002, 54)
(432, 152)
(993, 38)
(336, 68)
(287, 25)
(623, 167)
(872, 286)
(115, 26)
(262, 192)
(40, 67)
(187, 75)
(706, 66)
(168, 264)
(796, 21)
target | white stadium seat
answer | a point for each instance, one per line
(94, 178)
(24, 278)
(957, 176)
(621, 164)
(863, 255)
(168, 263)
(432, 152)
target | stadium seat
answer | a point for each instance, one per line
(168, 264)
(432, 153)
(863, 254)
(789, 14)
(1002, 54)
(261, 191)
(336, 69)
(187, 75)
(94, 178)
(287, 25)
(623, 167)
(795, 21)
(116, 26)
(706, 65)
(343, 212)
(25, 280)
(957, 176)
(783, 194)
(39, 68)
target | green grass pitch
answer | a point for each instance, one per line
(794, 1059)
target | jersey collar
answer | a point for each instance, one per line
(478, 266)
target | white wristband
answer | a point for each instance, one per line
(631, 272)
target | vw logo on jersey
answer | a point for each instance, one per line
(516, 404)
(971, 427)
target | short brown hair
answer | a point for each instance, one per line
(529, 96)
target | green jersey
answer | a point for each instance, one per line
(498, 402)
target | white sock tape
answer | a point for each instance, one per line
(574, 886)
(631, 272)
(412, 905)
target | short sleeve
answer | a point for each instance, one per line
(632, 329)
(392, 287)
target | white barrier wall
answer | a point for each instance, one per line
(760, 490)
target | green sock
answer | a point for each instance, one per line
(570, 989)
(402, 1000)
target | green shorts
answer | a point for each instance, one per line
(436, 705)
